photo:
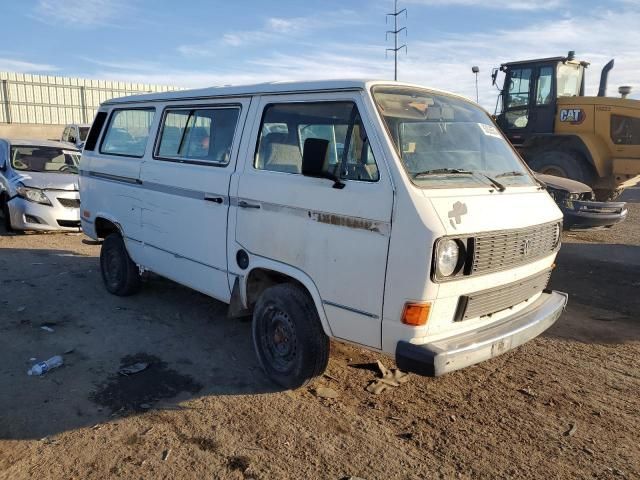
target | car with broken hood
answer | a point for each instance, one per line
(379, 213)
(39, 185)
(579, 206)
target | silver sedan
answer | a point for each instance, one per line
(39, 185)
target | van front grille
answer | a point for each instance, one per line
(495, 251)
(493, 300)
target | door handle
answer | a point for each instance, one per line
(218, 200)
(243, 204)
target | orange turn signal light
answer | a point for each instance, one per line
(416, 314)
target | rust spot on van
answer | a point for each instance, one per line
(349, 222)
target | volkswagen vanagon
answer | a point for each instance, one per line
(384, 214)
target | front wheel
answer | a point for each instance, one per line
(290, 343)
(120, 274)
(562, 163)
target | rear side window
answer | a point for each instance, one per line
(200, 135)
(285, 127)
(94, 133)
(128, 132)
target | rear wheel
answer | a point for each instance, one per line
(120, 274)
(290, 343)
(563, 163)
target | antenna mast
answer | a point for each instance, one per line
(395, 33)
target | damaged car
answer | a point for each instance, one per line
(39, 185)
(578, 204)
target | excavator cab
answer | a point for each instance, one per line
(528, 100)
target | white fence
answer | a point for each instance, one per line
(52, 100)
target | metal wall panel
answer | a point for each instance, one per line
(54, 100)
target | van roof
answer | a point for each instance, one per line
(265, 88)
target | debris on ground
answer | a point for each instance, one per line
(21, 309)
(133, 369)
(527, 391)
(326, 392)
(389, 378)
(572, 430)
(165, 454)
(47, 329)
(41, 368)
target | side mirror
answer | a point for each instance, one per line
(494, 76)
(315, 162)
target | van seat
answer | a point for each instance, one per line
(278, 155)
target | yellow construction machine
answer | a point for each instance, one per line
(543, 110)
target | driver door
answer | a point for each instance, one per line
(338, 237)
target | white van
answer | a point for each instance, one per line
(384, 214)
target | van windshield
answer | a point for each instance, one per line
(447, 142)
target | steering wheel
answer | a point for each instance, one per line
(68, 168)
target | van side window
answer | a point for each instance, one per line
(285, 127)
(128, 132)
(198, 134)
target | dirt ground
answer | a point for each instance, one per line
(566, 405)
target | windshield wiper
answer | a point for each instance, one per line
(437, 171)
(510, 174)
(494, 182)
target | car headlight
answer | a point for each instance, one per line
(447, 257)
(32, 194)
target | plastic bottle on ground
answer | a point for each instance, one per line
(41, 368)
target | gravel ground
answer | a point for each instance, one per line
(565, 405)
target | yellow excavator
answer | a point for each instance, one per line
(543, 110)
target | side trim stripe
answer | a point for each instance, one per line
(350, 309)
(347, 221)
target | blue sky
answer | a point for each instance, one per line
(197, 43)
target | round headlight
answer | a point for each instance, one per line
(447, 257)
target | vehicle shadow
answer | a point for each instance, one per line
(190, 347)
(603, 283)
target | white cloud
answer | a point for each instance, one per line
(447, 62)
(274, 30)
(444, 63)
(493, 4)
(79, 13)
(10, 65)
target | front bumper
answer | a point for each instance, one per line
(469, 348)
(26, 215)
(593, 214)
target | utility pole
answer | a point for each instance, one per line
(476, 70)
(395, 33)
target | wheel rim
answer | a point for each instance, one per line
(278, 339)
(112, 268)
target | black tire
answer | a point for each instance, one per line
(562, 163)
(120, 275)
(603, 195)
(6, 216)
(290, 343)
